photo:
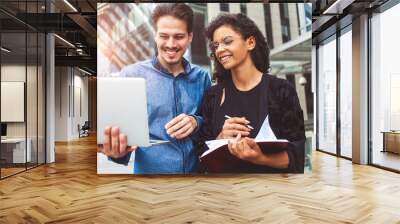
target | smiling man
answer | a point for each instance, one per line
(175, 89)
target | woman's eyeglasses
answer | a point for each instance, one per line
(226, 42)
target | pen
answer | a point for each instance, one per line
(228, 117)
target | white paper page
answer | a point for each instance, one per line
(265, 131)
(214, 144)
(264, 134)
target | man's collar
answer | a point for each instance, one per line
(156, 63)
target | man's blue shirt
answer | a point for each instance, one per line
(167, 97)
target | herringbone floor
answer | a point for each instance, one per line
(70, 191)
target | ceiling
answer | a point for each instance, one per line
(72, 20)
(331, 15)
(77, 25)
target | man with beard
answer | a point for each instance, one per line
(175, 89)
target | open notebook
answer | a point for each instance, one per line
(218, 158)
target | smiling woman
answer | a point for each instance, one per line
(249, 95)
(226, 31)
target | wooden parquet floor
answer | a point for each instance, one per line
(10, 171)
(70, 191)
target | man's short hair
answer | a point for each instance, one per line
(178, 10)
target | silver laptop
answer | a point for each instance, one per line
(122, 102)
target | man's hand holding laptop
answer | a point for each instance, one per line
(115, 143)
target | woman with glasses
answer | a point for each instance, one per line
(245, 94)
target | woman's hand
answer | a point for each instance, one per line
(233, 127)
(246, 149)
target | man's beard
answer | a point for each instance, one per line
(177, 57)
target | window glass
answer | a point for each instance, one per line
(346, 94)
(327, 96)
(385, 89)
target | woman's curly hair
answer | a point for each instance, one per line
(246, 28)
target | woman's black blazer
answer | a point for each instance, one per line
(285, 117)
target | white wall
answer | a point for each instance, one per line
(33, 127)
(61, 103)
(69, 85)
(80, 83)
(16, 73)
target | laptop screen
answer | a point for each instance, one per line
(131, 95)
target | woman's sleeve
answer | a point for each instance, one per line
(293, 128)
